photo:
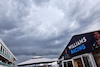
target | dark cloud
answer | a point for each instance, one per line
(32, 51)
(44, 27)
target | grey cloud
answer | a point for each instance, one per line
(9, 17)
(34, 51)
(40, 2)
(28, 32)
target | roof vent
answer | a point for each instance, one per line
(37, 57)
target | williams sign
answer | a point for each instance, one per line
(83, 43)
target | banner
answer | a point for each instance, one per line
(83, 43)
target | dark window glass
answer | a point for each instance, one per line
(87, 61)
(65, 64)
(70, 64)
(1, 48)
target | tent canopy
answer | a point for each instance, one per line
(37, 60)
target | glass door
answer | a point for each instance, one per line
(68, 63)
(87, 61)
(83, 61)
(78, 62)
(96, 55)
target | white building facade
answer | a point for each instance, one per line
(7, 59)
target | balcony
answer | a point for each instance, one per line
(5, 64)
(6, 55)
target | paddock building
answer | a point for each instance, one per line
(82, 50)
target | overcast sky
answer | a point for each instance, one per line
(44, 27)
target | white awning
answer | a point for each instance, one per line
(37, 60)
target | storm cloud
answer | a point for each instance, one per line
(44, 27)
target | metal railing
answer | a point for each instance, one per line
(6, 55)
(5, 64)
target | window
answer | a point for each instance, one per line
(87, 61)
(78, 62)
(0, 46)
(65, 64)
(3, 49)
(68, 64)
